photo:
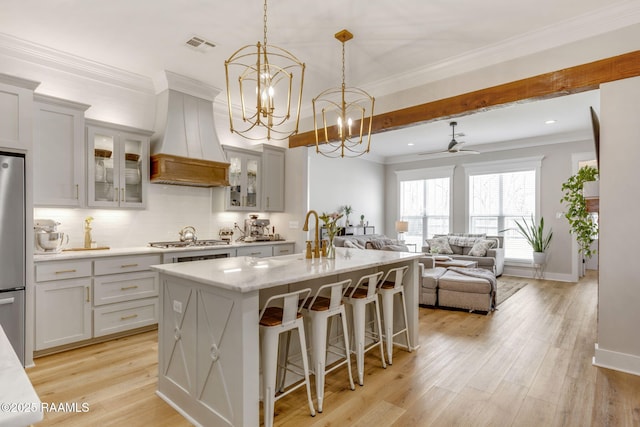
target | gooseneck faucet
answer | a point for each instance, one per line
(316, 247)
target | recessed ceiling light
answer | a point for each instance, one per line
(550, 122)
(411, 144)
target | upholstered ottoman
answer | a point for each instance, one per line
(429, 285)
(472, 289)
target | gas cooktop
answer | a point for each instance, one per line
(197, 243)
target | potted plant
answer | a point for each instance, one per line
(347, 211)
(536, 237)
(362, 220)
(581, 223)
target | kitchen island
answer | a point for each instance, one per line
(208, 334)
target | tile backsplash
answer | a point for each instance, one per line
(169, 209)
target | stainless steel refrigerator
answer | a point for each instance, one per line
(12, 249)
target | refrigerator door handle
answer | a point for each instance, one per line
(7, 301)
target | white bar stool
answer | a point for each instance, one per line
(389, 287)
(326, 303)
(358, 297)
(274, 320)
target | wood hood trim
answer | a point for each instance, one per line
(177, 170)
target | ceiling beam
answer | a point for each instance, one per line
(567, 81)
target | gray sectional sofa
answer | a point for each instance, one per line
(461, 246)
(370, 241)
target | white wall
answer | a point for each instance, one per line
(335, 182)
(618, 344)
(556, 168)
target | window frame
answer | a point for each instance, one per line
(499, 167)
(426, 174)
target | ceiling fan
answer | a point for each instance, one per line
(454, 146)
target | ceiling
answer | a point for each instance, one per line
(392, 40)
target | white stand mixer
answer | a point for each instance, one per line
(48, 240)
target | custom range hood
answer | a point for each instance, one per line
(185, 149)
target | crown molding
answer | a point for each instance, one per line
(601, 21)
(19, 81)
(40, 55)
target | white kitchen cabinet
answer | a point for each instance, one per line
(77, 300)
(273, 178)
(244, 177)
(258, 251)
(117, 165)
(16, 111)
(283, 249)
(125, 293)
(58, 152)
(63, 309)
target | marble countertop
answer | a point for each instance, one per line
(20, 403)
(247, 274)
(143, 250)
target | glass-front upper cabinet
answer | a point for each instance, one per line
(118, 165)
(244, 177)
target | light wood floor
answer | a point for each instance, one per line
(527, 364)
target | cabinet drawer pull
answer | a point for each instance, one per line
(126, 288)
(128, 265)
(77, 192)
(131, 316)
(88, 294)
(73, 270)
(255, 253)
(284, 251)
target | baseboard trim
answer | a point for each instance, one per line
(527, 272)
(627, 363)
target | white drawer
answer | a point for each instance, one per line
(108, 289)
(286, 249)
(59, 270)
(109, 319)
(125, 264)
(255, 251)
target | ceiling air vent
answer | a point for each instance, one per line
(200, 44)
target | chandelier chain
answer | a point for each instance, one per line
(343, 73)
(265, 22)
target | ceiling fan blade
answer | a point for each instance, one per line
(469, 151)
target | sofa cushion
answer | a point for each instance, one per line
(352, 244)
(454, 281)
(395, 248)
(463, 241)
(481, 246)
(378, 243)
(440, 245)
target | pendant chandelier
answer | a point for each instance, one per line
(265, 82)
(342, 117)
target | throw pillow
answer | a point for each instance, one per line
(463, 241)
(481, 247)
(440, 245)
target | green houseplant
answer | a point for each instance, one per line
(536, 237)
(581, 223)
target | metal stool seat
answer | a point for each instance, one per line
(389, 287)
(275, 320)
(325, 304)
(358, 297)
